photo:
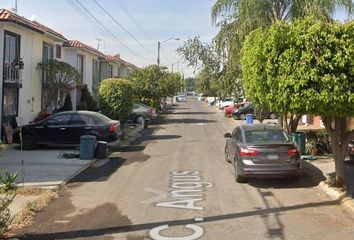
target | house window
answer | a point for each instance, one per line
(110, 69)
(47, 54)
(80, 66)
(10, 106)
(11, 75)
(11, 57)
(58, 51)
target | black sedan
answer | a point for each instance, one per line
(262, 150)
(67, 128)
(249, 109)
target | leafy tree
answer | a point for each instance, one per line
(57, 76)
(237, 18)
(153, 83)
(87, 102)
(305, 68)
(68, 105)
(116, 97)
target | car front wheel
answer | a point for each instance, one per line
(227, 157)
(140, 119)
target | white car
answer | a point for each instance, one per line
(225, 103)
(181, 98)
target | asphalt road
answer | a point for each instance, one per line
(173, 183)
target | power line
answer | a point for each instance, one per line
(99, 24)
(180, 12)
(125, 30)
(132, 18)
(86, 17)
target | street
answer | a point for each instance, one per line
(174, 183)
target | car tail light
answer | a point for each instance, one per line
(248, 152)
(113, 127)
(293, 152)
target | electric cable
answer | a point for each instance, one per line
(120, 25)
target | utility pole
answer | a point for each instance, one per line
(158, 53)
(98, 43)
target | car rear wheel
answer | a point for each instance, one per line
(273, 116)
(242, 116)
(227, 157)
(29, 142)
(238, 178)
(140, 119)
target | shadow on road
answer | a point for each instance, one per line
(188, 121)
(191, 113)
(99, 173)
(311, 177)
(96, 232)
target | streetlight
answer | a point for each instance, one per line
(159, 46)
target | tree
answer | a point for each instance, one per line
(57, 76)
(153, 83)
(237, 18)
(116, 97)
(68, 105)
(305, 68)
(87, 102)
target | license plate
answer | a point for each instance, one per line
(273, 157)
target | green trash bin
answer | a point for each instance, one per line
(299, 138)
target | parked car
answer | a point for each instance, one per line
(201, 97)
(67, 128)
(225, 103)
(262, 150)
(142, 112)
(181, 98)
(230, 109)
(249, 109)
(350, 151)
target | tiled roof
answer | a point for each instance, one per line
(78, 44)
(49, 30)
(112, 58)
(8, 16)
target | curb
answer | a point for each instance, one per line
(340, 196)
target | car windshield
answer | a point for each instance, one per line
(266, 136)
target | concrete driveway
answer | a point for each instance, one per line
(42, 167)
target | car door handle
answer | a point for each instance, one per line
(62, 128)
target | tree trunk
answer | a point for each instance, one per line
(280, 120)
(340, 138)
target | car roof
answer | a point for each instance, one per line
(259, 126)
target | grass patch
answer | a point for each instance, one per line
(25, 216)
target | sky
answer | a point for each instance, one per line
(131, 28)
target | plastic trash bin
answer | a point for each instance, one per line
(349, 177)
(299, 138)
(101, 150)
(249, 118)
(87, 147)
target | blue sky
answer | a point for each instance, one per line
(158, 20)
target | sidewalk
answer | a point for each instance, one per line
(43, 169)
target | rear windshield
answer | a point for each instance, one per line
(266, 136)
(99, 118)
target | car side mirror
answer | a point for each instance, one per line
(227, 135)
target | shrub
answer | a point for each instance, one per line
(7, 181)
(42, 115)
(116, 98)
(68, 105)
(87, 102)
(5, 214)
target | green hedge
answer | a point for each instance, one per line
(116, 98)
